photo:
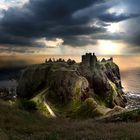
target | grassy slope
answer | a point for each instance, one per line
(17, 124)
(39, 100)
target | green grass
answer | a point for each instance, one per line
(16, 124)
(39, 100)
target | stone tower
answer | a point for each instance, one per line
(89, 59)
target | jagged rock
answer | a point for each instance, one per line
(65, 83)
(70, 62)
(120, 100)
(103, 60)
(110, 59)
(100, 83)
(116, 109)
(89, 109)
(32, 80)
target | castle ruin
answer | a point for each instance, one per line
(89, 59)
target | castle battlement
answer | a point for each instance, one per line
(89, 59)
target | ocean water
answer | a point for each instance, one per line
(130, 72)
(130, 77)
(131, 84)
(129, 69)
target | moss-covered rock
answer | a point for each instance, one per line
(88, 109)
(66, 86)
(121, 115)
(75, 85)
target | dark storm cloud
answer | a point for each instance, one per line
(75, 30)
(135, 40)
(108, 36)
(71, 20)
(114, 17)
(133, 26)
(132, 33)
(51, 18)
(14, 40)
(79, 40)
(13, 49)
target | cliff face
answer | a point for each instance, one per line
(74, 82)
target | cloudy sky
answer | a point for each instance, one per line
(69, 26)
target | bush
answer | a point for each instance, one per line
(27, 105)
(88, 109)
(90, 103)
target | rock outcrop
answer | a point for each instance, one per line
(66, 83)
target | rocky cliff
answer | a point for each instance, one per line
(90, 85)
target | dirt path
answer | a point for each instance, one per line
(50, 110)
(41, 98)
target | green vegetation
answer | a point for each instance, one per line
(133, 115)
(71, 93)
(112, 94)
(26, 104)
(66, 83)
(125, 116)
(88, 109)
(17, 124)
(39, 100)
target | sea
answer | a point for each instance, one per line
(11, 67)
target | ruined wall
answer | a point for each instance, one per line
(89, 59)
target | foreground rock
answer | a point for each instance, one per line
(71, 85)
(123, 116)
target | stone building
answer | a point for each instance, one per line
(89, 59)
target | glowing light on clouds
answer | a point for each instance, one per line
(116, 27)
(108, 47)
(113, 28)
(50, 43)
(5, 4)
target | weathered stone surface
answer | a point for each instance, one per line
(76, 81)
(32, 79)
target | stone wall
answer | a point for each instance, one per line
(89, 59)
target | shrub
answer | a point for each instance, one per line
(90, 103)
(27, 105)
(88, 109)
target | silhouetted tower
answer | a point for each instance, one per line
(89, 59)
(93, 60)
